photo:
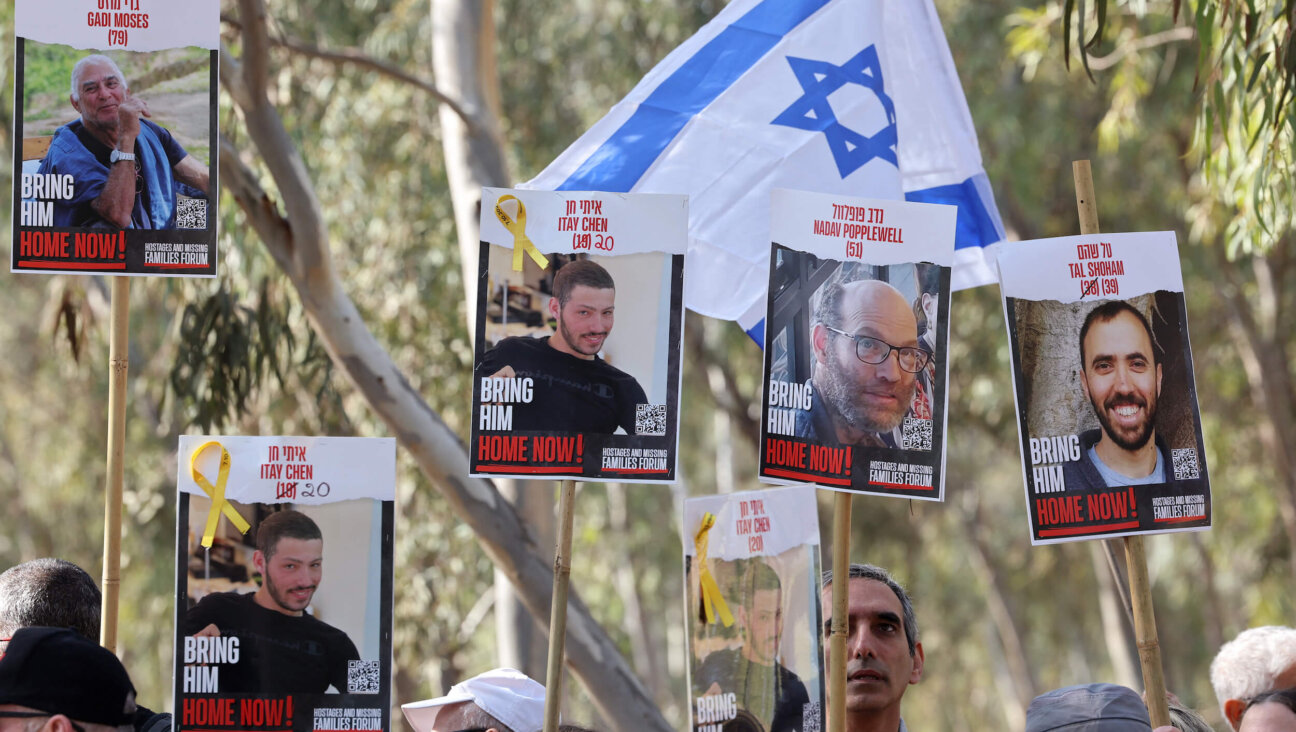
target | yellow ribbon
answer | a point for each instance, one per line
(521, 242)
(216, 493)
(712, 602)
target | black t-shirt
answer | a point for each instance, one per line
(278, 654)
(772, 694)
(569, 394)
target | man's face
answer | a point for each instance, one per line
(1121, 379)
(762, 621)
(585, 321)
(101, 92)
(867, 397)
(292, 574)
(878, 665)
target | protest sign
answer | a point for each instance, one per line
(1102, 368)
(558, 391)
(751, 567)
(284, 583)
(115, 137)
(857, 319)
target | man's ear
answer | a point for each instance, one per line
(258, 561)
(916, 675)
(1158, 379)
(1084, 382)
(58, 723)
(553, 308)
(819, 342)
(1233, 709)
(75, 104)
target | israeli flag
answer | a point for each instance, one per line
(855, 97)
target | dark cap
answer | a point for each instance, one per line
(1088, 708)
(57, 671)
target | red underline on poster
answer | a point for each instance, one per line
(527, 468)
(1179, 520)
(780, 473)
(1072, 531)
(176, 266)
(904, 486)
(70, 265)
(636, 471)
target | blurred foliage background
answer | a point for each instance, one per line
(1189, 127)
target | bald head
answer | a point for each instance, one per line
(863, 316)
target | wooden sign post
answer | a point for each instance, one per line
(839, 624)
(118, 366)
(1145, 633)
(558, 606)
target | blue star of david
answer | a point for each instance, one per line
(818, 79)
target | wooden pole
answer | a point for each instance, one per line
(558, 607)
(118, 362)
(1145, 633)
(839, 623)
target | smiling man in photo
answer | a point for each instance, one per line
(282, 649)
(572, 389)
(1121, 376)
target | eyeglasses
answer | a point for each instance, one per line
(31, 715)
(870, 350)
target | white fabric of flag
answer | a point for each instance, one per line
(852, 97)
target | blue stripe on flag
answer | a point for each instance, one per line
(624, 157)
(975, 227)
(757, 333)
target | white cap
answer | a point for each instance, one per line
(505, 694)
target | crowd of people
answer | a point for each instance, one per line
(54, 677)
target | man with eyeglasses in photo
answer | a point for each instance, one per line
(867, 359)
(126, 170)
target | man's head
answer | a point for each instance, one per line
(1088, 708)
(49, 592)
(872, 318)
(502, 699)
(1120, 373)
(925, 307)
(760, 612)
(52, 679)
(583, 303)
(98, 88)
(884, 654)
(290, 558)
(1258, 660)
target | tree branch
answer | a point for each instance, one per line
(363, 60)
(1174, 35)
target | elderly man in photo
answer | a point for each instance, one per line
(867, 360)
(126, 170)
(1121, 376)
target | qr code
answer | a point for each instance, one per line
(1185, 464)
(810, 717)
(650, 419)
(916, 434)
(362, 677)
(191, 213)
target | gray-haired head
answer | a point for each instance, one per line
(49, 592)
(1251, 663)
(94, 58)
(877, 574)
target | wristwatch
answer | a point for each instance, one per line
(119, 155)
